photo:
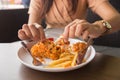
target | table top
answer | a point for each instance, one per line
(105, 66)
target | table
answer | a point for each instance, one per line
(103, 67)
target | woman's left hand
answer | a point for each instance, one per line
(82, 28)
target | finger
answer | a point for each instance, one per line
(72, 23)
(85, 35)
(78, 21)
(80, 29)
(22, 35)
(35, 32)
(27, 31)
(66, 30)
(66, 33)
(72, 31)
(41, 32)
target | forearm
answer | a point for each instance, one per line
(34, 18)
(115, 23)
(35, 12)
(108, 13)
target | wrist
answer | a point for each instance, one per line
(104, 26)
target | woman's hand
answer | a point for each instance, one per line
(82, 28)
(31, 32)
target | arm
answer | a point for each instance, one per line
(108, 13)
(34, 18)
(34, 12)
(84, 29)
(33, 30)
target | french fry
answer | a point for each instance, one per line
(61, 65)
(55, 62)
(65, 61)
(74, 59)
(64, 64)
(66, 55)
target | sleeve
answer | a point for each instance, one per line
(93, 4)
(35, 6)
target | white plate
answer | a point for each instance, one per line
(26, 59)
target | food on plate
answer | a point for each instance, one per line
(79, 46)
(46, 49)
(69, 57)
(65, 60)
(78, 49)
(63, 54)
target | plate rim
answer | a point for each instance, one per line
(91, 57)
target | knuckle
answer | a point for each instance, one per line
(29, 35)
(87, 31)
(37, 25)
(31, 25)
(81, 26)
(77, 19)
(24, 26)
(77, 34)
(83, 20)
(36, 37)
(67, 27)
(40, 28)
(72, 28)
(21, 37)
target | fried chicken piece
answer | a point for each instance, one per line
(46, 49)
(79, 46)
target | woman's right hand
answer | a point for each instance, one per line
(30, 32)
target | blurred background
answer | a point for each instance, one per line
(5, 4)
(13, 14)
